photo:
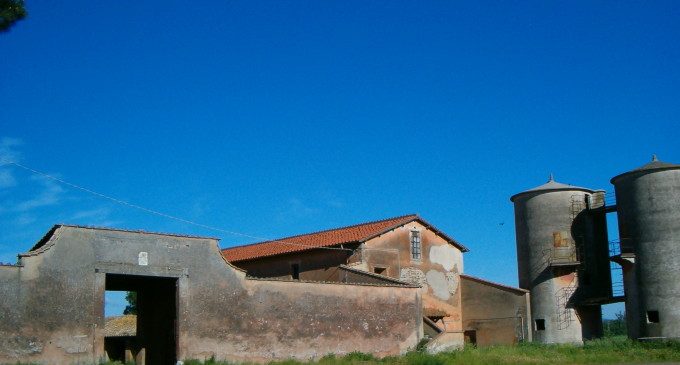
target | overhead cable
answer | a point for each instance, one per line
(161, 214)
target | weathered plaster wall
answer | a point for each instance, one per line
(9, 315)
(302, 320)
(498, 315)
(315, 265)
(544, 223)
(349, 274)
(438, 271)
(54, 314)
(648, 210)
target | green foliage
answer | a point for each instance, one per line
(210, 361)
(611, 350)
(607, 350)
(10, 12)
(615, 327)
(131, 307)
(359, 356)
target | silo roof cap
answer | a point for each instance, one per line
(654, 165)
(552, 185)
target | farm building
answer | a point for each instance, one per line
(191, 303)
(378, 287)
(456, 308)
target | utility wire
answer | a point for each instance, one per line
(161, 214)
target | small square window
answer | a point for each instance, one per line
(652, 316)
(540, 325)
(380, 270)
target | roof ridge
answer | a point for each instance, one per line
(382, 277)
(286, 280)
(283, 239)
(493, 283)
(39, 246)
(135, 231)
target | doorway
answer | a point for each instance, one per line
(155, 340)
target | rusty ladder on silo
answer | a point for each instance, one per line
(563, 296)
(616, 249)
(576, 206)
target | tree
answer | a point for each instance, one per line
(10, 12)
(615, 327)
(131, 298)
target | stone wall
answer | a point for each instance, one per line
(314, 264)
(53, 303)
(494, 314)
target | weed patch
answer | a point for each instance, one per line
(603, 351)
(613, 350)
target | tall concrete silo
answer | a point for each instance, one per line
(558, 229)
(648, 208)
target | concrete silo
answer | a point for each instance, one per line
(648, 209)
(563, 259)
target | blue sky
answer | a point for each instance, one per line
(283, 117)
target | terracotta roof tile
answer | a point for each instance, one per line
(332, 237)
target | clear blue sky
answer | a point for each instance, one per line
(283, 117)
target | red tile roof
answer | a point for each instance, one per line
(333, 237)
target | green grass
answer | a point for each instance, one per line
(611, 350)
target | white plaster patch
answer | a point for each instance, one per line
(452, 280)
(444, 255)
(143, 258)
(440, 286)
(412, 275)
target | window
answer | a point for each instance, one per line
(416, 246)
(295, 271)
(470, 337)
(652, 316)
(540, 325)
(380, 270)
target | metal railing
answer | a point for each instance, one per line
(563, 303)
(618, 288)
(614, 247)
(609, 198)
(620, 246)
(562, 255)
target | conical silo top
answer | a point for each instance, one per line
(654, 165)
(551, 185)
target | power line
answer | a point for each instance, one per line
(161, 214)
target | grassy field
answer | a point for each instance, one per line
(617, 350)
(611, 350)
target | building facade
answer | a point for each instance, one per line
(192, 304)
(406, 248)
